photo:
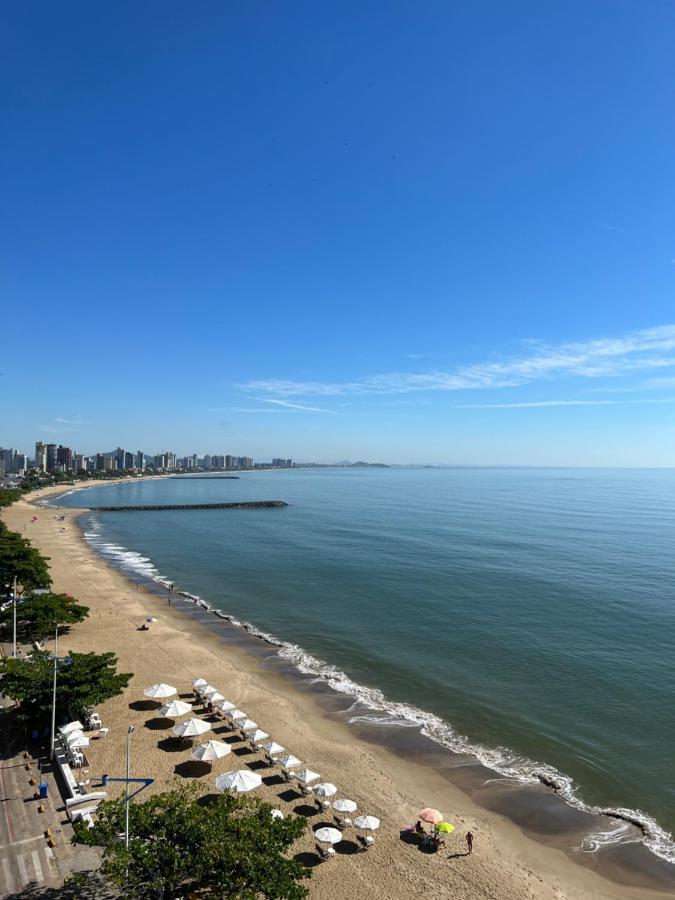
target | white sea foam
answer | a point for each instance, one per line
(634, 826)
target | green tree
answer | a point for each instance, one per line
(40, 615)
(89, 679)
(19, 559)
(229, 848)
(9, 495)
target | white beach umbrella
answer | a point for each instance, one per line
(191, 728)
(160, 691)
(175, 708)
(277, 814)
(199, 683)
(225, 705)
(289, 761)
(211, 750)
(78, 740)
(272, 747)
(215, 698)
(328, 835)
(258, 736)
(325, 790)
(306, 776)
(235, 714)
(71, 726)
(367, 823)
(208, 691)
(240, 780)
(345, 806)
(247, 725)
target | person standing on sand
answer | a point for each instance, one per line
(469, 841)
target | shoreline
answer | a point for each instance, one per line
(511, 863)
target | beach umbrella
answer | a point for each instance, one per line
(430, 815)
(235, 714)
(209, 691)
(191, 728)
(211, 750)
(225, 705)
(289, 761)
(215, 698)
(272, 747)
(78, 740)
(444, 827)
(199, 683)
(258, 736)
(345, 806)
(328, 835)
(71, 726)
(306, 776)
(174, 709)
(247, 725)
(367, 823)
(277, 814)
(325, 790)
(160, 691)
(240, 780)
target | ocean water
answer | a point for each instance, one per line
(528, 615)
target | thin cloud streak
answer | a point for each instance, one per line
(540, 404)
(288, 405)
(604, 357)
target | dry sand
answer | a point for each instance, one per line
(506, 864)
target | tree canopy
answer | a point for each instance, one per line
(89, 679)
(40, 615)
(19, 559)
(231, 847)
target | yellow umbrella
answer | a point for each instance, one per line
(445, 827)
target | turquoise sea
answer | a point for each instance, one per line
(526, 614)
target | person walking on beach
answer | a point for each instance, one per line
(469, 841)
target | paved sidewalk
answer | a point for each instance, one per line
(26, 859)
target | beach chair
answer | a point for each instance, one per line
(366, 841)
(322, 805)
(342, 822)
(270, 760)
(325, 853)
(305, 790)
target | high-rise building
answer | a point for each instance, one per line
(20, 463)
(64, 457)
(51, 457)
(140, 460)
(100, 462)
(7, 457)
(206, 462)
(230, 461)
(40, 456)
(128, 460)
(109, 463)
(78, 462)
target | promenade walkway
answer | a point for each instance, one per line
(27, 861)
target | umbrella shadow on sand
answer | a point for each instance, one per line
(270, 780)
(143, 705)
(192, 768)
(304, 809)
(289, 795)
(172, 745)
(207, 799)
(159, 723)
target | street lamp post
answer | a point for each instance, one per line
(14, 604)
(126, 793)
(57, 659)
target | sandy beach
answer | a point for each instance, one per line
(506, 863)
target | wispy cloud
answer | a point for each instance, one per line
(610, 356)
(614, 228)
(540, 404)
(78, 420)
(288, 405)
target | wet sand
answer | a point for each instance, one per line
(389, 773)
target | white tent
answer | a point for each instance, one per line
(325, 790)
(258, 736)
(328, 835)
(225, 705)
(272, 747)
(306, 776)
(191, 728)
(289, 761)
(240, 780)
(77, 741)
(235, 714)
(367, 823)
(211, 750)
(160, 691)
(175, 708)
(199, 683)
(247, 725)
(71, 726)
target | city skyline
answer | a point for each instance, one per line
(444, 236)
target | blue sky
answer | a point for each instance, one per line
(402, 232)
